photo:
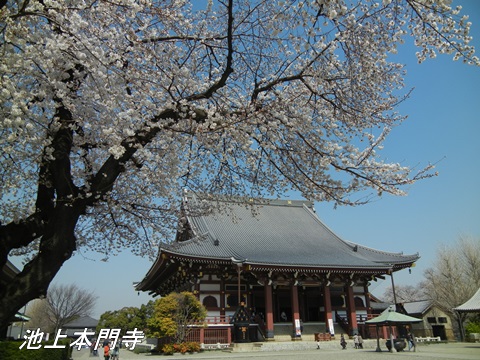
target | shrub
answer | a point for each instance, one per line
(173, 314)
(181, 348)
(193, 346)
(168, 349)
(9, 350)
(141, 350)
(472, 327)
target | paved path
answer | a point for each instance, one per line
(453, 351)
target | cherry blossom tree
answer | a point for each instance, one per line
(110, 109)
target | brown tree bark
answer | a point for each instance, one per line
(33, 281)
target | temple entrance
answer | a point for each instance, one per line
(257, 305)
(311, 304)
(283, 304)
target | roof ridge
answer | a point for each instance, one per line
(314, 215)
(247, 200)
(410, 302)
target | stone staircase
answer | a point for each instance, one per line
(283, 339)
(284, 331)
(300, 345)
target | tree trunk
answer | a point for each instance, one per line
(56, 246)
(58, 210)
(461, 330)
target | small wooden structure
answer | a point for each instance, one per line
(391, 318)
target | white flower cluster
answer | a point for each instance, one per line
(156, 96)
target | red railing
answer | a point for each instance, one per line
(223, 319)
(210, 336)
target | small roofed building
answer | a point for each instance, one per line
(79, 325)
(436, 323)
(276, 257)
(472, 305)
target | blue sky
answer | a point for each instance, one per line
(443, 126)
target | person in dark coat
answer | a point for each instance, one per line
(343, 342)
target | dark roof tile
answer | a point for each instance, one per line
(280, 232)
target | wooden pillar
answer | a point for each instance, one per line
(295, 311)
(367, 301)
(303, 304)
(269, 329)
(250, 305)
(222, 298)
(351, 312)
(229, 335)
(327, 304)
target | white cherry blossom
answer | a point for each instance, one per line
(109, 109)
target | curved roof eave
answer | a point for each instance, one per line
(194, 257)
(471, 305)
(149, 277)
(382, 252)
(224, 253)
(308, 267)
(407, 259)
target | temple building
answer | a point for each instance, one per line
(274, 256)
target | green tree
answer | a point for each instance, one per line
(473, 325)
(174, 313)
(127, 318)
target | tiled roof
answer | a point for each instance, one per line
(82, 322)
(379, 306)
(279, 232)
(389, 316)
(472, 305)
(417, 307)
